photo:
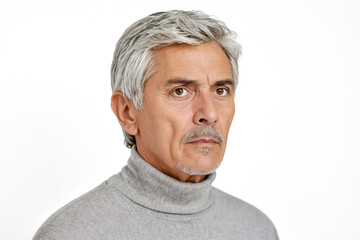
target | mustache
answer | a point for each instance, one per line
(208, 131)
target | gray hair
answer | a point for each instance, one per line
(133, 63)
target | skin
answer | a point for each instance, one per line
(191, 89)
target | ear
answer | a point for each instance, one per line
(124, 111)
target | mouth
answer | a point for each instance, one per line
(204, 141)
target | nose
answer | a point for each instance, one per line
(205, 110)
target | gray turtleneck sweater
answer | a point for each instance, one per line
(142, 203)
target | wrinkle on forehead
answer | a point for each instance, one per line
(172, 57)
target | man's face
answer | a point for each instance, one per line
(188, 109)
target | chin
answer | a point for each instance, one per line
(200, 164)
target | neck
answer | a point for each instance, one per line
(151, 188)
(194, 178)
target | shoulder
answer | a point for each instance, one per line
(82, 218)
(244, 214)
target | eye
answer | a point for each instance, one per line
(180, 92)
(221, 91)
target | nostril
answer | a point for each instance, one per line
(202, 120)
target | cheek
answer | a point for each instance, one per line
(164, 125)
(231, 110)
(232, 113)
(174, 127)
(226, 116)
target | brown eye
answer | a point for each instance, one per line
(221, 91)
(180, 92)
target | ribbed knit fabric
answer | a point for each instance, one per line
(142, 203)
(152, 189)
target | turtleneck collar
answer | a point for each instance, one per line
(147, 186)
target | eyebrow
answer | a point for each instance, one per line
(179, 81)
(224, 82)
(194, 82)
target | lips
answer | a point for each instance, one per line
(204, 141)
(204, 135)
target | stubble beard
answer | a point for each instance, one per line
(208, 131)
(196, 171)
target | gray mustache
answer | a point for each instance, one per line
(208, 131)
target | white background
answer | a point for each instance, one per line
(294, 146)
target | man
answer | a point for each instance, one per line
(174, 76)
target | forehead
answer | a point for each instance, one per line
(195, 62)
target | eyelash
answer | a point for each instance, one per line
(186, 92)
(183, 89)
(226, 91)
